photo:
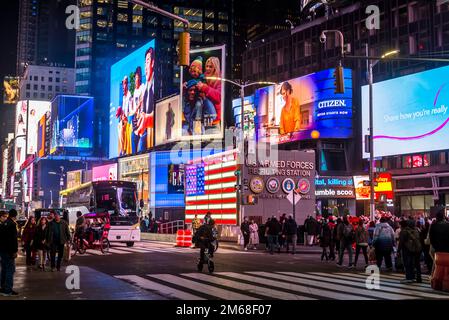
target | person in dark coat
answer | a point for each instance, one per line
(311, 230)
(410, 247)
(291, 230)
(272, 230)
(325, 239)
(8, 252)
(244, 227)
(58, 236)
(39, 241)
(27, 237)
(438, 233)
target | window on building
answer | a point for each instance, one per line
(413, 46)
(35, 87)
(64, 89)
(305, 119)
(85, 26)
(50, 71)
(28, 86)
(27, 94)
(36, 78)
(222, 16)
(42, 87)
(50, 88)
(196, 25)
(58, 79)
(426, 160)
(34, 94)
(85, 3)
(209, 14)
(137, 19)
(413, 12)
(42, 79)
(443, 158)
(223, 27)
(209, 26)
(209, 38)
(50, 96)
(307, 48)
(123, 17)
(102, 23)
(50, 79)
(416, 205)
(57, 88)
(122, 4)
(31, 77)
(86, 14)
(102, 11)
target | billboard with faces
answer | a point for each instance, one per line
(131, 109)
(202, 94)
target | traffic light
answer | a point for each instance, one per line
(339, 80)
(184, 49)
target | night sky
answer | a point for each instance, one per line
(8, 34)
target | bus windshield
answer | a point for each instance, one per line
(118, 201)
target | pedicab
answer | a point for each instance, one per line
(95, 234)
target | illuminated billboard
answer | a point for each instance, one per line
(44, 135)
(131, 109)
(168, 120)
(36, 109)
(362, 188)
(411, 113)
(105, 172)
(11, 90)
(304, 108)
(72, 119)
(21, 134)
(202, 94)
(249, 115)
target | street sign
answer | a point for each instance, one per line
(296, 196)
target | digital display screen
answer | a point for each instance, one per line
(168, 120)
(411, 114)
(131, 109)
(304, 108)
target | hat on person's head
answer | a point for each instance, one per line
(198, 62)
(12, 213)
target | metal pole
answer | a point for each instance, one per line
(294, 206)
(371, 136)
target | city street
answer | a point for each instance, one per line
(160, 271)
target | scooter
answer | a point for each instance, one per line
(208, 258)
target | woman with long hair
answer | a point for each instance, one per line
(212, 88)
(27, 238)
(39, 241)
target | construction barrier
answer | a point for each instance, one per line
(183, 238)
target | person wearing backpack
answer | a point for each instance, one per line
(410, 246)
(346, 235)
(383, 241)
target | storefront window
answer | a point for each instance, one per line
(416, 205)
(407, 162)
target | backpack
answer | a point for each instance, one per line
(348, 232)
(413, 244)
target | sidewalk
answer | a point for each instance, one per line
(32, 284)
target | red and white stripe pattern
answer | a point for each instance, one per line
(219, 195)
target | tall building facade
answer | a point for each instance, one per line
(44, 82)
(417, 29)
(43, 37)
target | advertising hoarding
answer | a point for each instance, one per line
(131, 109)
(168, 120)
(383, 186)
(334, 187)
(249, 115)
(74, 178)
(304, 108)
(71, 122)
(175, 178)
(202, 97)
(20, 134)
(106, 172)
(36, 109)
(362, 192)
(411, 113)
(11, 90)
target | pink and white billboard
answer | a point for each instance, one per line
(105, 172)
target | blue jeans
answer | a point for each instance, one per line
(272, 240)
(348, 246)
(209, 111)
(142, 145)
(7, 273)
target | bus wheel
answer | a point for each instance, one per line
(129, 244)
(105, 245)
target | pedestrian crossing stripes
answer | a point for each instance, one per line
(147, 247)
(260, 285)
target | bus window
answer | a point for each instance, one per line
(127, 199)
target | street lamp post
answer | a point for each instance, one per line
(242, 85)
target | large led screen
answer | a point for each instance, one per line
(305, 108)
(410, 113)
(131, 109)
(11, 90)
(21, 134)
(36, 109)
(168, 120)
(72, 119)
(202, 94)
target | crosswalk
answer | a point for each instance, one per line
(147, 247)
(262, 285)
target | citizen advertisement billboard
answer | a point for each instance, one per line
(334, 187)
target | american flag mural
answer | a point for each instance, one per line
(210, 186)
